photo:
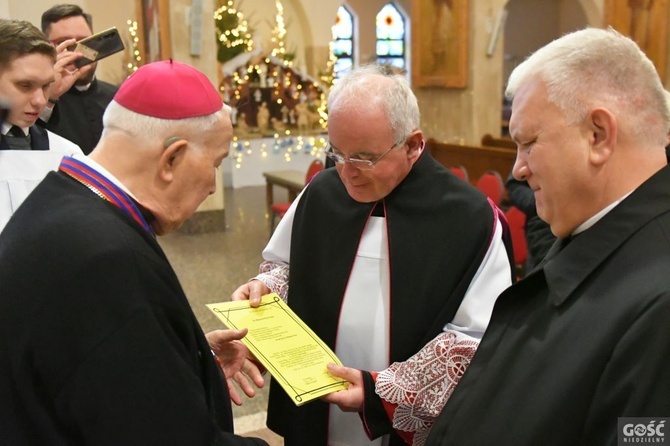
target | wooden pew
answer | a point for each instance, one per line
(476, 160)
(505, 143)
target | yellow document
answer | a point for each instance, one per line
(288, 348)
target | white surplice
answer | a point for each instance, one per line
(363, 338)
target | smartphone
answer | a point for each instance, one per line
(98, 46)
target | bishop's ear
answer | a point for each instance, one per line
(171, 157)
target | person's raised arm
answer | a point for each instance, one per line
(65, 75)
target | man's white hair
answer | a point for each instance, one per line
(149, 130)
(600, 68)
(362, 88)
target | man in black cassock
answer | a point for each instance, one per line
(75, 110)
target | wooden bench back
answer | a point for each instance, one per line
(476, 160)
(505, 143)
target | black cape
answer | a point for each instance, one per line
(440, 228)
(98, 344)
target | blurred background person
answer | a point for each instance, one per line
(75, 105)
(538, 233)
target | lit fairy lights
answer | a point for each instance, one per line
(233, 32)
(136, 60)
(328, 75)
(287, 146)
(296, 102)
(279, 36)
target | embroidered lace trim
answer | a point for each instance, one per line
(275, 276)
(421, 386)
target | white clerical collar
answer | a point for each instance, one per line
(593, 220)
(6, 126)
(94, 165)
(85, 87)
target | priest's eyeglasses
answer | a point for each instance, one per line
(359, 163)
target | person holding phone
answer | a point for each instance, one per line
(77, 102)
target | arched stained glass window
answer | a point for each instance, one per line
(391, 37)
(343, 42)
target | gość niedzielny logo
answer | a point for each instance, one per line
(642, 430)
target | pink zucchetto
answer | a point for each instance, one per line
(169, 90)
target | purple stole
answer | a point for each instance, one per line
(104, 188)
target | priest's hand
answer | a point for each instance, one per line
(66, 74)
(350, 400)
(251, 291)
(236, 362)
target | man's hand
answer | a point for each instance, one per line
(236, 362)
(66, 74)
(251, 291)
(350, 400)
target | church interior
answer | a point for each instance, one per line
(274, 61)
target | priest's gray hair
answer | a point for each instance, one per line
(362, 87)
(150, 130)
(596, 67)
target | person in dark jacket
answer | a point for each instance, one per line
(538, 233)
(578, 350)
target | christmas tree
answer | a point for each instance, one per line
(327, 76)
(233, 35)
(279, 37)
